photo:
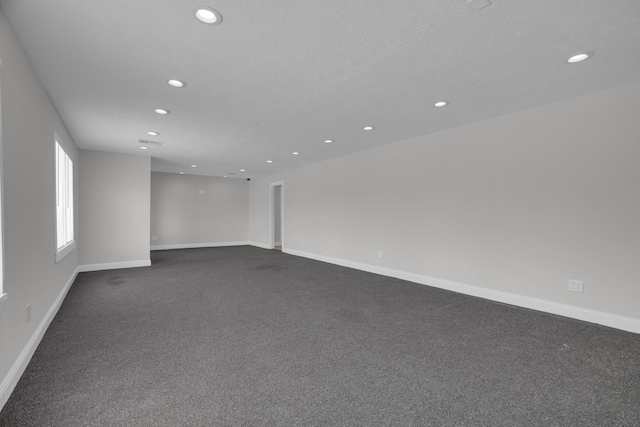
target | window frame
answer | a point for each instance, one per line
(68, 222)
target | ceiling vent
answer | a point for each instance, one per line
(147, 142)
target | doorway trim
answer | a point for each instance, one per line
(272, 213)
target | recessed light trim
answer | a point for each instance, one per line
(208, 15)
(440, 104)
(295, 153)
(176, 83)
(328, 141)
(153, 133)
(242, 170)
(194, 166)
(269, 161)
(368, 128)
(579, 57)
(144, 148)
(162, 111)
(181, 173)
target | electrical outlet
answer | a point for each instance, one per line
(380, 255)
(576, 286)
(28, 312)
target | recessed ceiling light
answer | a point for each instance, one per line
(144, 148)
(208, 15)
(269, 161)
(241, 170)
(295, 153)
(154, 133)
(328, 141)
(224, 176)
(181, 173)
(162, 111)
(368, 128)
(440, 103)
(194, 166)
(578, 58)
(176, 83)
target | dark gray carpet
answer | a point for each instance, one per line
(245, 336)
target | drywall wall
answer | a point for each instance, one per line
(31, 275)
(277, 214)
(114, 210)
(192, 211)
(515, 205)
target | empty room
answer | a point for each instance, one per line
(408, 213)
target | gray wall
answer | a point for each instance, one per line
(517, 204)
(190, 210)
(277, 216)
(114, 209)
(31, 275)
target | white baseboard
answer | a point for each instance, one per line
(601, 318)
(114, 265)
(197, 245)
(19, 366)
(209, 245)
(260, 245)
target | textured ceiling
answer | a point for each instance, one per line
(283, 76)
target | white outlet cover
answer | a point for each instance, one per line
(576, 285)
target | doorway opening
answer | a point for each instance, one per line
(276, 215)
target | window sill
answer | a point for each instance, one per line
(65, 251)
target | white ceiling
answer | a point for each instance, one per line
(282, 76)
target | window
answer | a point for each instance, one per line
(64, 202)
